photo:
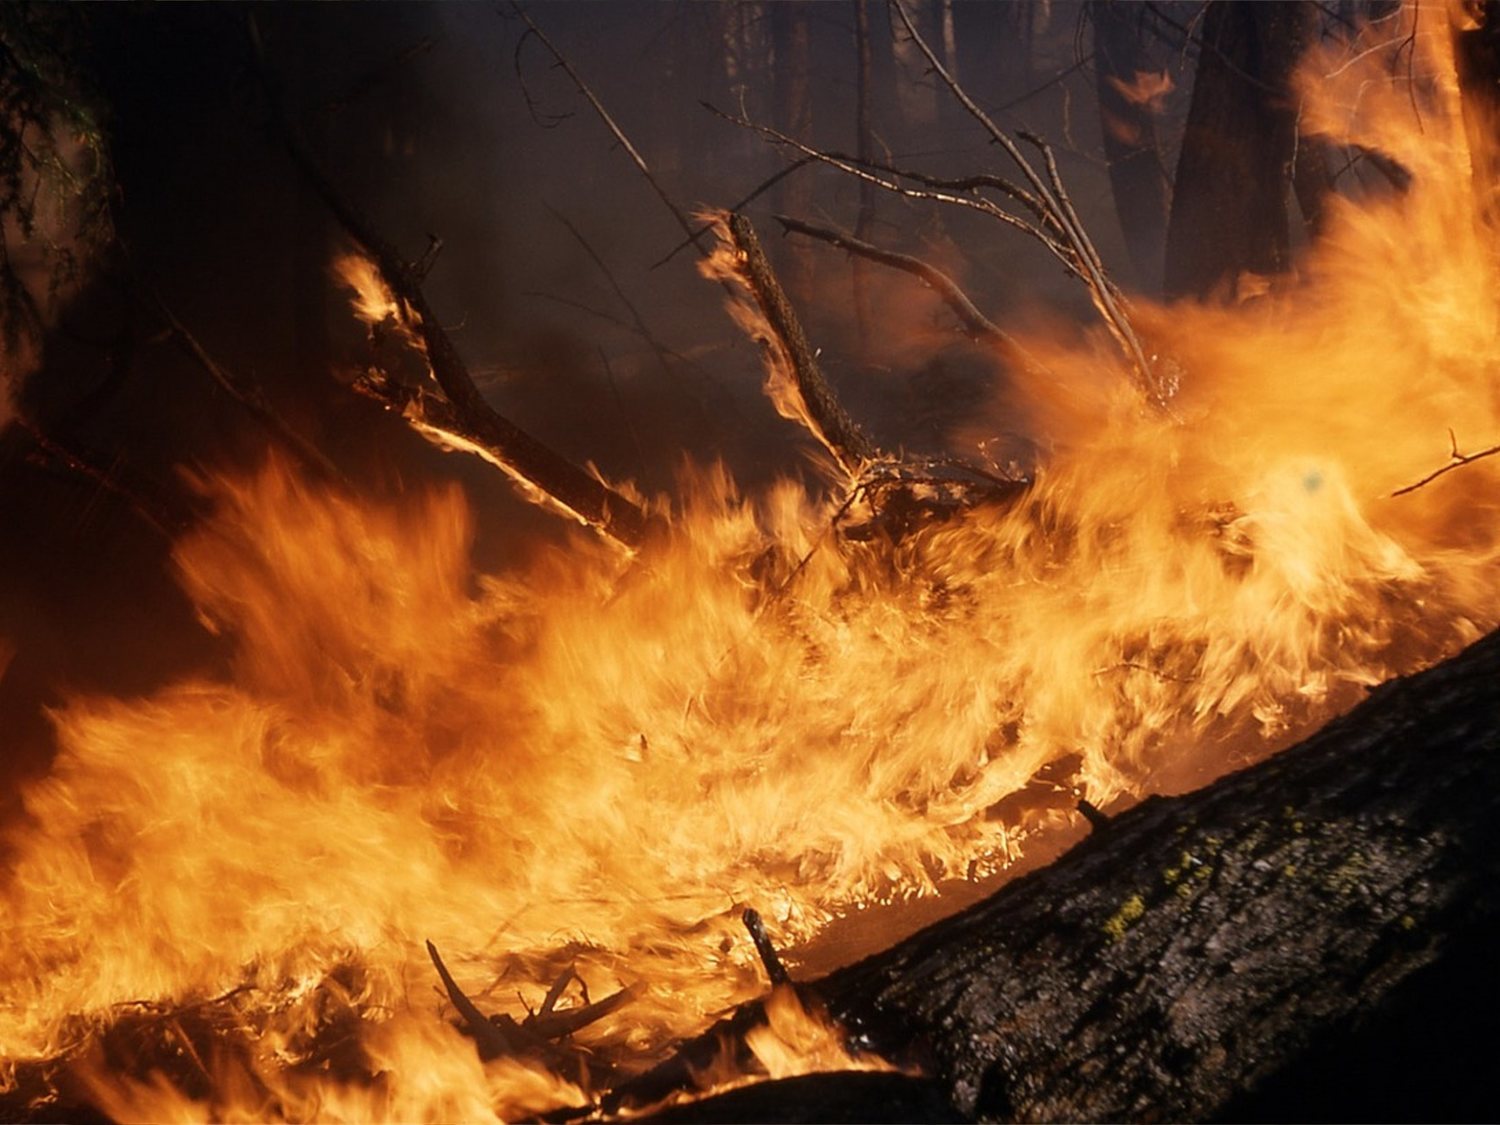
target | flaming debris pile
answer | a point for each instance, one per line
(227, 899)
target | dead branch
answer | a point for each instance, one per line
(556, 1024)
(972, 201)
(823, 414)
(775, 970)
(476, 425)
(1456, 460)
(501, 1035)
(247, 394)
(1054, 199)
(493, 1041)
(979, 326)
(164, 514)
(609, 123)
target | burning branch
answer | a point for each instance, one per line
(1456, 460)
(775, 970)
(500, 1035)
(452, 411)
(800, 392)
(898, 494)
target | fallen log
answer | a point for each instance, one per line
(1309, 938)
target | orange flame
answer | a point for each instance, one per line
(1148, 89)
(593, 761)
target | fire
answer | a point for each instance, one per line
(593, 762)
(1149, 88)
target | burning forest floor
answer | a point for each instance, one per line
(452, 845)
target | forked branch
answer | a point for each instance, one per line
(1456, 460)
(1061, 216)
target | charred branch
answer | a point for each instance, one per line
(775, 970)
(501, 1035)
(492, 1039)
(1097, 818)
(479, 424)
(830, 423)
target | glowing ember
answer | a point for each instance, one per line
(596, 760)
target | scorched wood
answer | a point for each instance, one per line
(1255, 948)
(1310, 938)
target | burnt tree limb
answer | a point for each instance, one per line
(470, 417)
(1310, 938)
(1226, 953)
(833, 426)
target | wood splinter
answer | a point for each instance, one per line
(768, 956)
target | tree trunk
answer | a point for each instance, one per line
(864, 141)
(1311, 938)
(1229, 209)
(1476, 53)
(792, 43)
(1137, 176)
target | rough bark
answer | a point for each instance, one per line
(1195, 958)
(1229, 209)
(832, 425)
(1310, 938)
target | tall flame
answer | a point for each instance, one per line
(594, 760)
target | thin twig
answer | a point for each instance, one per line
(609, 122)
(972, 202)
(740, 205)
(1053, 197)
(998, 135)
(975, 322)
(247, 394)
(1456, 460)
(657, 347)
